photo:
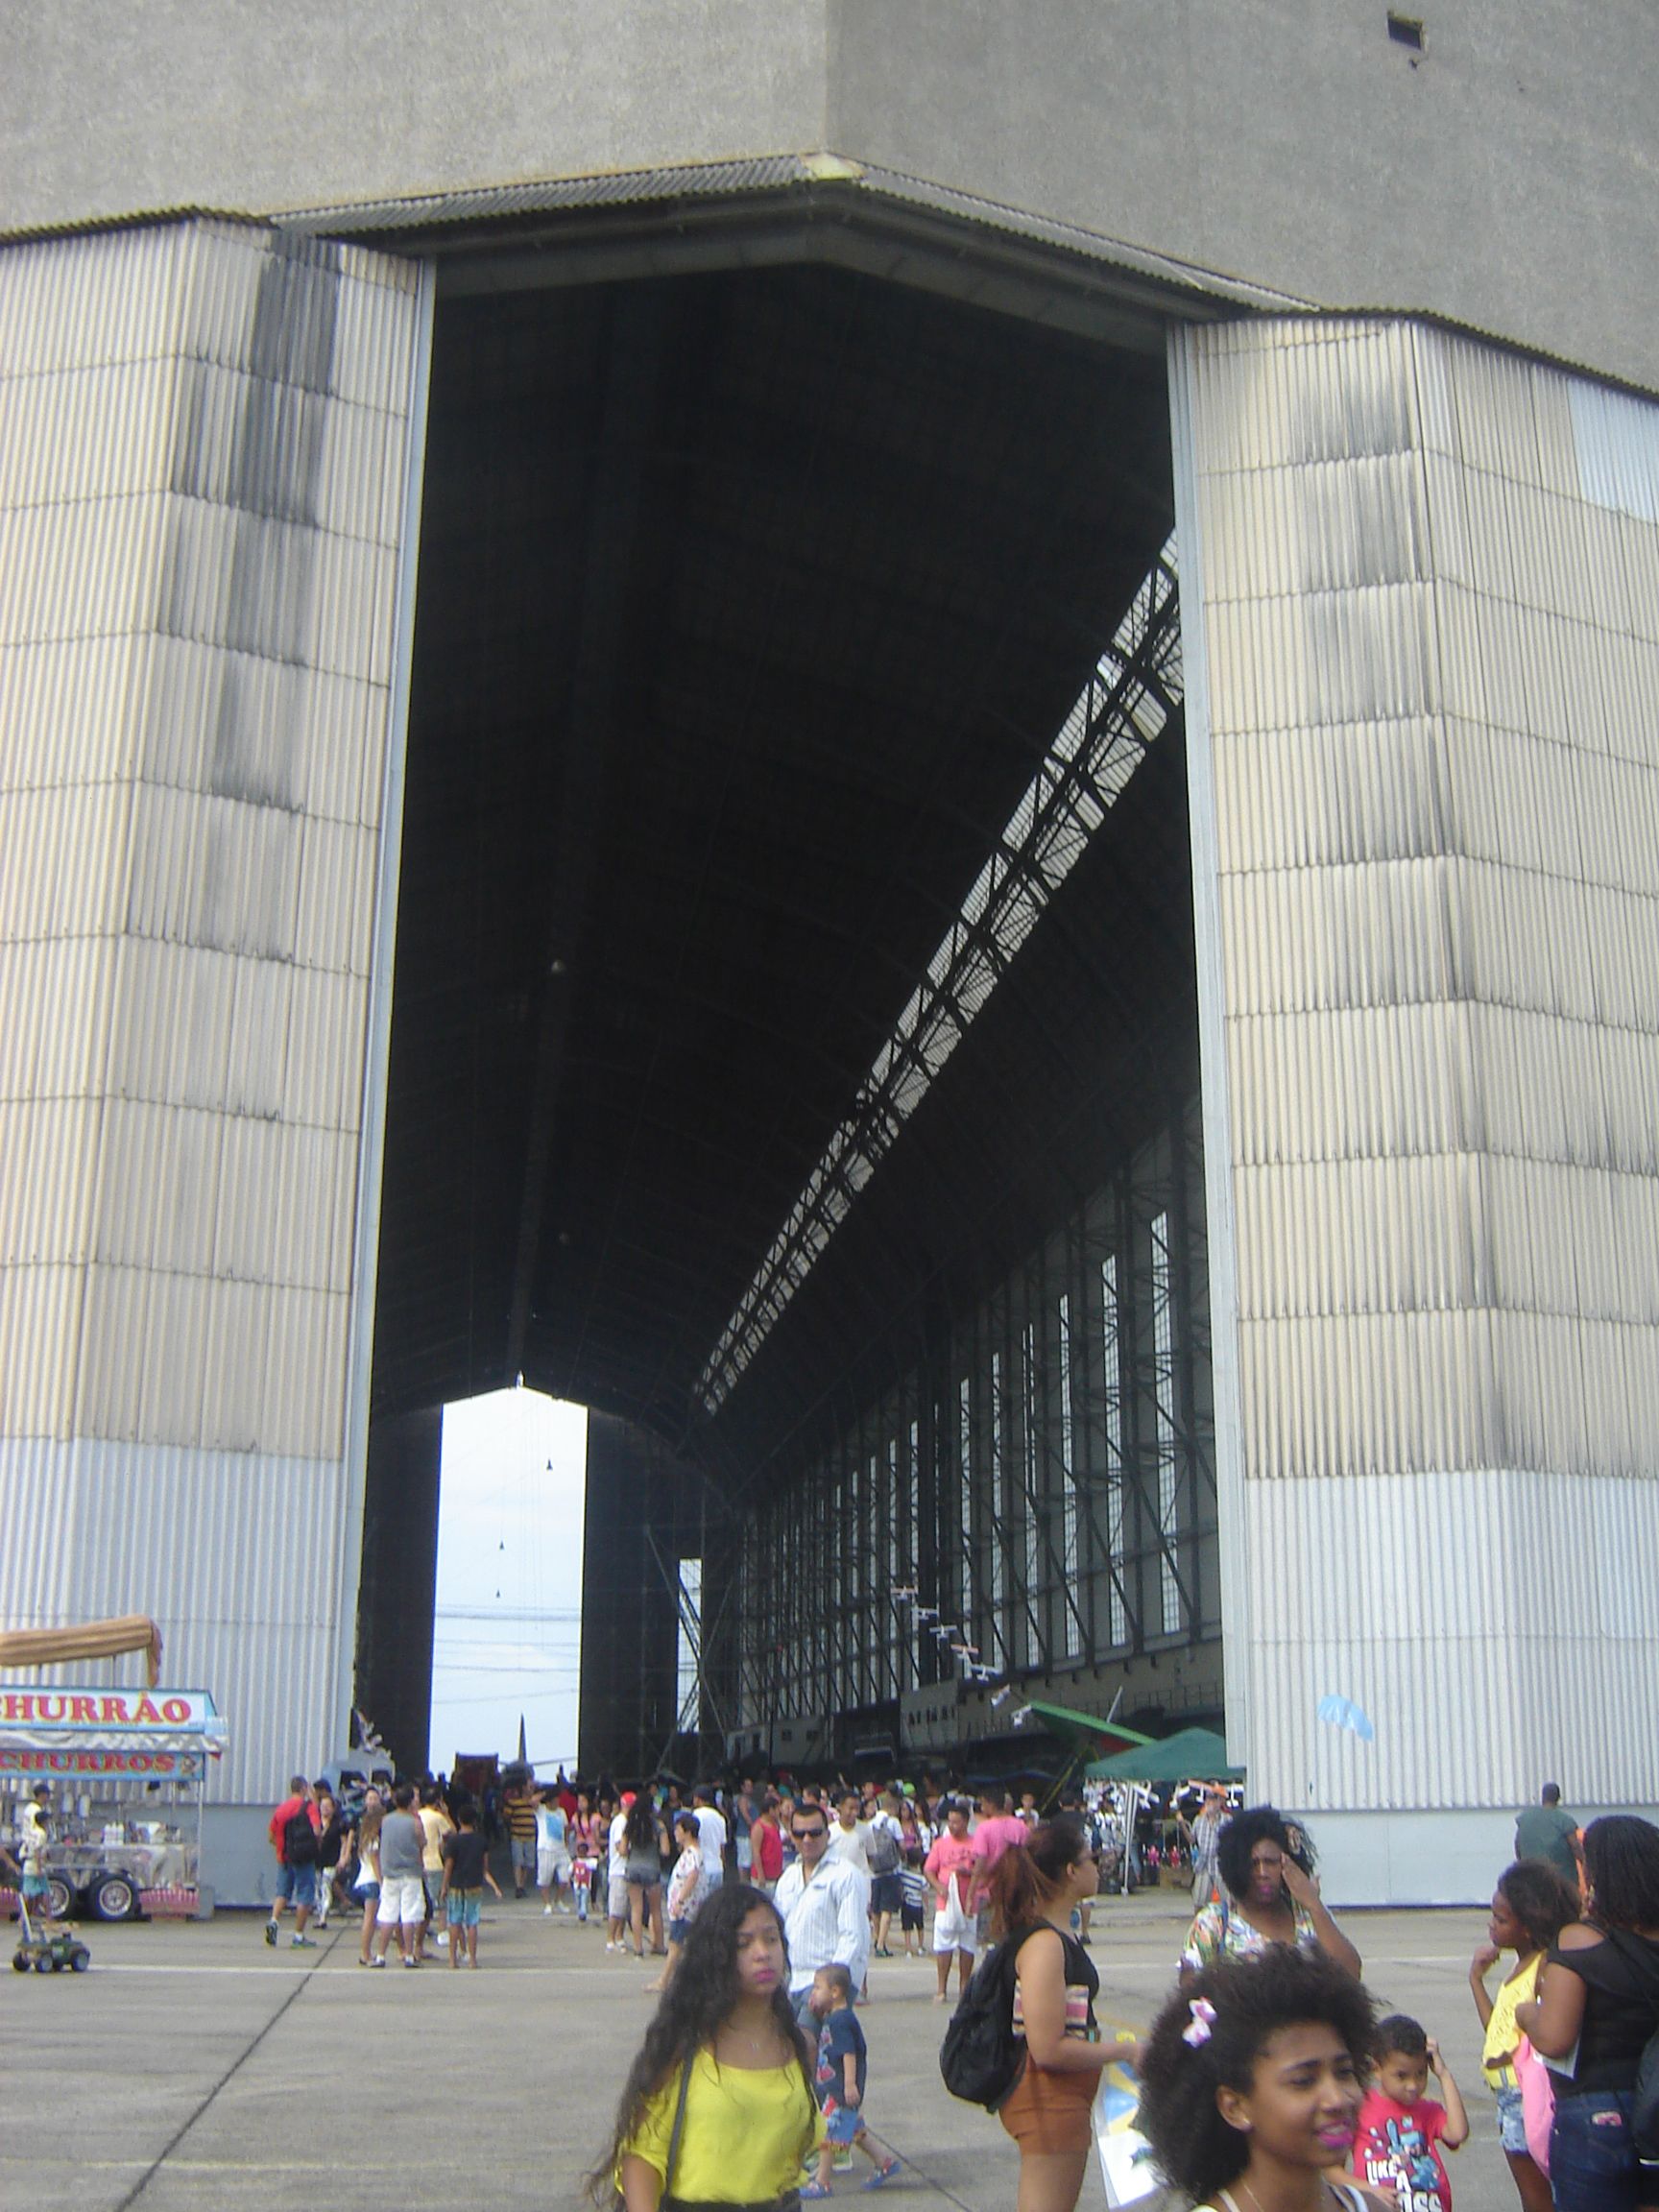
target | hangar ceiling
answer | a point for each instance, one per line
(749, 602)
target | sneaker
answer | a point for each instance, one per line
(546, 1912)
(271, 1932)
(374, 1962)
(300, 1943)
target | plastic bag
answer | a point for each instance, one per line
(1537, 2101)
(1125, 2156)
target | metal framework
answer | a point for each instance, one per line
(1132, 691)
(1040, 1497)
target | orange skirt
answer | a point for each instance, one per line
(1049, 2111)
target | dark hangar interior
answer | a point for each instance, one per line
(750, 600)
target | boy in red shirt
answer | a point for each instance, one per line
(1402, 2128)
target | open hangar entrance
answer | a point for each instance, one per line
(794, 1040)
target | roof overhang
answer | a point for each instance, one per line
(787, 208)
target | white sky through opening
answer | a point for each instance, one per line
(507, 1633)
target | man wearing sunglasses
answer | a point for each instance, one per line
(822, 1901)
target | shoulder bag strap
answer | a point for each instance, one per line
(679, 2128)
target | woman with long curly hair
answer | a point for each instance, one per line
(719, 2106)
(1268, 1895)
(1598, 2001)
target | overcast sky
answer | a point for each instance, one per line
(507, 1637)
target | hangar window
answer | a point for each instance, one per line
(689, 1666)
(1163, 1421)
(1112, 1356)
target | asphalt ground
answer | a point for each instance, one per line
(192, 2069)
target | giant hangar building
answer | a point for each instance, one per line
(918, 743)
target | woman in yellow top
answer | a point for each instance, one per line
(1531, 1907)
(719, 2106)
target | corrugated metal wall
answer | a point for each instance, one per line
(205, 442)
(1429, 716)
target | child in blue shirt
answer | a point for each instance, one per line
(843, 2062)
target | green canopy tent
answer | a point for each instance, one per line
(1083, 1735)
(1190, 1754)
(1193, 1754)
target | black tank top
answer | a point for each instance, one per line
(1621, 1978)
(1082, 1987)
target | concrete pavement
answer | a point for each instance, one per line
(192, 2068)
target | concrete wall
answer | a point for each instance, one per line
(106, 110)
(1502, 178)
(1421, 610)
(204, 502)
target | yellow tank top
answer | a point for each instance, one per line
(1501, 2033)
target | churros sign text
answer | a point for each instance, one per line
(102, 1710)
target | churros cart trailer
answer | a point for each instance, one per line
(124, 1770)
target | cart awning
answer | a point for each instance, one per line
(88, 1640)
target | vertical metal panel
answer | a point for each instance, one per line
(237, 1553)
(1434, 738)
(204, 496)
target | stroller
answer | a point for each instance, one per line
(47, 1952)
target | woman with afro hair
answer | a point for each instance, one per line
(1251, 2083)
(1268, 1895)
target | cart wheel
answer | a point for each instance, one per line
(19, 1964)
(60, 1898)
(43, 1964)
(79, 1959)
(114, 1898)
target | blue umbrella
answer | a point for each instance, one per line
(1344, 1713)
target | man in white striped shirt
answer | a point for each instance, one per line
(822, 1902)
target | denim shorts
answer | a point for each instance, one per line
(464, 1906)
(678, 1931)
(297, 1885)
(1511, 2120)
(1592, 2153)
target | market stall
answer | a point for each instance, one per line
(125, 1771)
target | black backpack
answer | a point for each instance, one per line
(981, 2059)
(882, 1849)
(300, 1841)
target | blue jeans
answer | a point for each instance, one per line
(1593, 2153)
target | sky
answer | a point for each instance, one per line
(507, 1636)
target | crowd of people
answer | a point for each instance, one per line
(1268, 2084)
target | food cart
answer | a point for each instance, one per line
(126, 1770)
